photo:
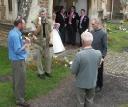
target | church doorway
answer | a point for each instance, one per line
(79, 4)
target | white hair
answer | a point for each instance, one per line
(87, 37)
(42, 9)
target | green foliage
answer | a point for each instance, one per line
(4, 62)
(117, 39)
(34, 86)
(124, 105)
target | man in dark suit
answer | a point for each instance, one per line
(60, 18)
(72, 25)
(99, 43)
(83, 23)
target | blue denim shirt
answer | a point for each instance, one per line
(15, 44)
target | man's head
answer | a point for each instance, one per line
(87, 39)
(43, 13)
(62, 10)
(83, 12)
(95, 23)
(73, 9)
(19, 23)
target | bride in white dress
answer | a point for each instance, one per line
(55, 38)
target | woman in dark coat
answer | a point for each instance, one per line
(61, 19)
(72, 18)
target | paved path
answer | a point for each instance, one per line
(114, 93)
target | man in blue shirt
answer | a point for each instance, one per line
(17, 55)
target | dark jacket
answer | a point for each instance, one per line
(74, 21)
(100, 41)
(85, 23)
(60, 19)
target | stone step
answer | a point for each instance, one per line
(3, 32)
(5, 26)
(3, 35)
(4, 29)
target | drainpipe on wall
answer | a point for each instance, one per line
(112, 9)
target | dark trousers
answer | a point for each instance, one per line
(100, 76)
(71, 34)
(62, 33)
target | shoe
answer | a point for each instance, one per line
(41, 76)
(23, 104)
(48, 75)
(98, 89)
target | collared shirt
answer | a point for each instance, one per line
(81, 19)
(63, 15)
(15, 44)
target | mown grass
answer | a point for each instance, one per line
(117, 39)
(124, 105)
(4, 62)
(34, 87)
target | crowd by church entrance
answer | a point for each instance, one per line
(72, 24)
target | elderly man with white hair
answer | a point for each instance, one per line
(85, 68)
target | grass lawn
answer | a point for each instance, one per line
(118, 40)
(124, 105)
(34, 87)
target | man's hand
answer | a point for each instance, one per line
(102, 60)
(34, 37)
(27, 40)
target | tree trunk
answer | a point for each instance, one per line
(48, 54)
(50, 8)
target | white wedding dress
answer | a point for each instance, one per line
(57, 42)
(55, 39)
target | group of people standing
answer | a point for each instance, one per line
(70, 23)
(18, 52)
(87, 66)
